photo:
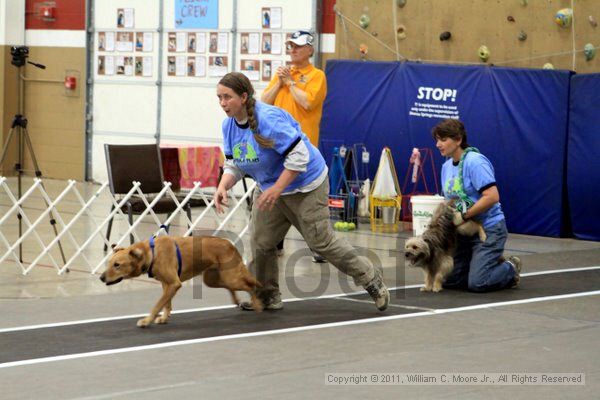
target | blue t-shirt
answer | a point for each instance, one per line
(266, 165)
(478, 175)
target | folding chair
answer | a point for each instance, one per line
(142, 163)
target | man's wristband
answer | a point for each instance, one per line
(292, 83)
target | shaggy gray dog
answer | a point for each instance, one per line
(434, 250)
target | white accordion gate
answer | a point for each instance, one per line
(38, 231)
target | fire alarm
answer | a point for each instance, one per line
(47, 12)
(70, 82)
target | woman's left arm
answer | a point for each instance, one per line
(489, 197)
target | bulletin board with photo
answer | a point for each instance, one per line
(203, 56)
(261, 42)
(123, 53)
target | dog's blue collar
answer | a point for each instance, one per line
(179, 259)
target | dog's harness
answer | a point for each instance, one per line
(179, 259)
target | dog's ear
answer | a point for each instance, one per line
(115, 248)
(136, 253)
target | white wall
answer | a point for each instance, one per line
(12, 22)
(125, 108)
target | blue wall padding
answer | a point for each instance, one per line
(583, 157)
(518, 118)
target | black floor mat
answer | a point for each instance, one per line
(108, 335)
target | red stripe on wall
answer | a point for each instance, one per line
(328, 16)
(68, 15)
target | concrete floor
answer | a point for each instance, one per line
(550, 335)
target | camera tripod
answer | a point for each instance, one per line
(19, 128)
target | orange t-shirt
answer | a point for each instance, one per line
(312, 81)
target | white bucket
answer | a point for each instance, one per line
(388, 215)
(422, 211)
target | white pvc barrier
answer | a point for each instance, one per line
(64, 228)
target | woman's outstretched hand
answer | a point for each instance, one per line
(220, 197)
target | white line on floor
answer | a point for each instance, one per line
(223, 307)
(560, 271)
(389, 305)
(291, 330)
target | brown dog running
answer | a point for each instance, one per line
(217, 259)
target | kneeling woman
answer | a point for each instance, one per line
(468, 177)
(266, 143)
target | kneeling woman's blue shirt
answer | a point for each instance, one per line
(263, 164)
(478, 175)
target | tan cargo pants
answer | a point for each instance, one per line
(309, 213)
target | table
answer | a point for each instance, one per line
(184, 164)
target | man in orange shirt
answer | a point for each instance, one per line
(301, 91)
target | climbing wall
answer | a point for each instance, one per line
(517, 33)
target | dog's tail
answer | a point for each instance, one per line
(252, 281)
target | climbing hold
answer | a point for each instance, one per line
(522, 36)
(510, 18)
(593, 22)
(589, 51)
(364, 21)
(401, 3)
(564, 17)
(484, 53)
(374, 33)
(445, 36)
(548, 66)
(401, 32)
(363, 49)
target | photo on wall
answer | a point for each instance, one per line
(171, 66)
(101, 64)
(212, 42)
(266, 43)
(120, 64)
(128, 66)
(120, 18)
(191, 48)
(101, 41)
(191, 66)
(217, 66)
(266, 70)
(251, 68)
(172, 42)
(139, 66)
(266, 18)
(244, 43)
(144, 41)
(125, 18)
(125, 41)
(139, 41)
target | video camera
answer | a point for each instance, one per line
(19, 55)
